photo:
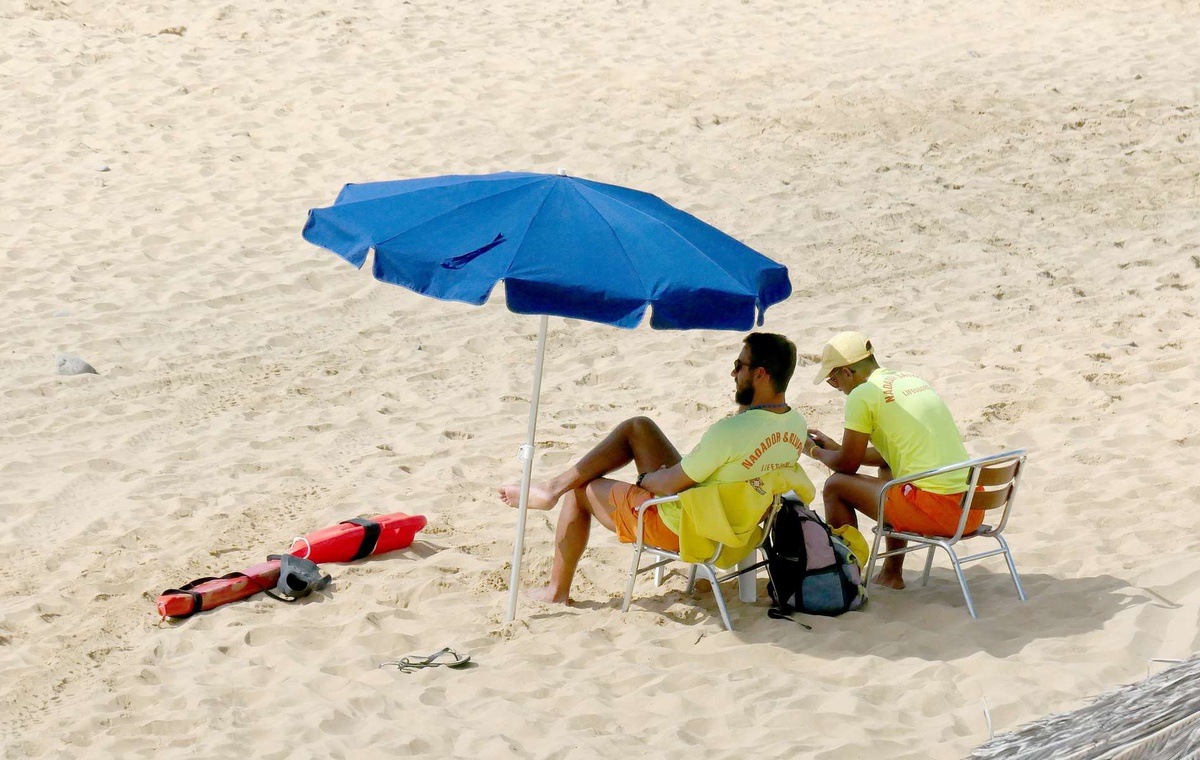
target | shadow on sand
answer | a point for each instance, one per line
(935, 612)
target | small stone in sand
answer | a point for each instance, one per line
(101, 167)
(66, 364)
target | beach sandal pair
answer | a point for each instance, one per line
(444, 656)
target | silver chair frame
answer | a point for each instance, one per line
(918, 542)
(708, 568)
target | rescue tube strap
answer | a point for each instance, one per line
(370, 537)
(197, 600)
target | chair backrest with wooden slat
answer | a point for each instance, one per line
(992, 483)
(995, 485)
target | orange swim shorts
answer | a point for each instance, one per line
(910, 509)
(625, 499)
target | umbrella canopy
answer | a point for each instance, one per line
(563, 246)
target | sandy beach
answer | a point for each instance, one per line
(1002, 195)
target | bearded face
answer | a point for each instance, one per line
(744, 392)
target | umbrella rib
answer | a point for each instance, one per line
(532, 218)
(448, 212)
(670, 229)
(616, 237)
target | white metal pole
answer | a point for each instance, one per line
(748, 582)
(526, 457)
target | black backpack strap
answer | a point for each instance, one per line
(370, 537)
(785, 613)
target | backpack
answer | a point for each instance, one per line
(811, 569)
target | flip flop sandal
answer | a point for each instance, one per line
(444, 656)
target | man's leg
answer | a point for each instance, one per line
(634, 440)
(571, 536)
(843, 494)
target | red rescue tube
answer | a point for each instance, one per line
(213, 592)
(344, 542)
(351, 540)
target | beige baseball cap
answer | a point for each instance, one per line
(842, 350)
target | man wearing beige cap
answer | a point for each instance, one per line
(910, 430)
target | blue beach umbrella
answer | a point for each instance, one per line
(563, 246)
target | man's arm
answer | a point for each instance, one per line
(667, 481)
(849, 456)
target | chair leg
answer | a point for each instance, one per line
(962, 581)
(716, 588)
(928, 566)
(691, 584)
(747, 582)
(1012, 567)
(874, 556)
(637, 558)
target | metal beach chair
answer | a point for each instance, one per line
(991, 485)
(707, 569)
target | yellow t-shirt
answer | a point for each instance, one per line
(910, 426)
(741, 447)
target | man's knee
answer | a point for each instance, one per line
(642, 430)
(640, 425)
(833, 488)
(592, 494)
(596, 497)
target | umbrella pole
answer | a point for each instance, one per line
(526, 457)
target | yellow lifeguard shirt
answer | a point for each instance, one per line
(744, 446)
(910, 426)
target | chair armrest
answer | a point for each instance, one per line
(952, 467)
(641, 513)
(970, 464)
(656, 501)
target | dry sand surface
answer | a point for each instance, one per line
(1003, 195)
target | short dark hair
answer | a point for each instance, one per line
(774, 353)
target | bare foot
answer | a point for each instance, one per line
(540, 497)
(547, 594)
(890, 579)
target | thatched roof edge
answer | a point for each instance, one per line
(1155, 719)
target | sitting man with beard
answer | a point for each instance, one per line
(765, 434)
